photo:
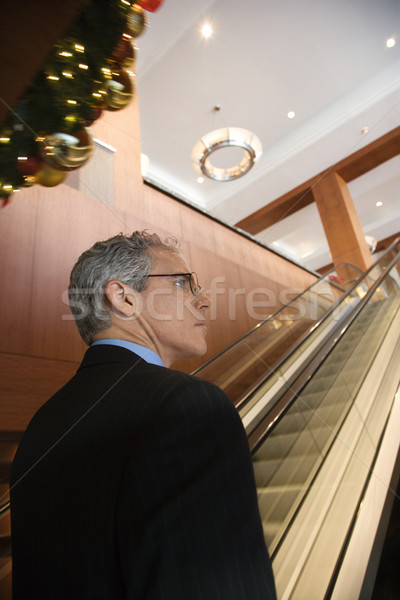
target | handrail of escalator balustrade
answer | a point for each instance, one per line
(5, 544)
(364, 274)
(280, 309)
(4, 507)
(8, 437)
(271, 419)
(356, 282)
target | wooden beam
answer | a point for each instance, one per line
(279, 209)
(351, 167)
(383, 244)
(341, 224)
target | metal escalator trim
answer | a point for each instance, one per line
(292, 372)
(346, 542)
(246, 397)
(4, 507)
(318, 324)
(315, 473)
(269, 422)
(274, 315)
(8, 437)
(347, 446)
(336, 430)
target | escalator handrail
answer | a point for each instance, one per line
(247, 395)
(6, 549)
(283, 403)
(4, 507)
(364, 275)
(274, 314)
(241, 402)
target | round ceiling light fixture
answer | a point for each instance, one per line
(221, 142)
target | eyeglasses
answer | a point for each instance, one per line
(195, 288)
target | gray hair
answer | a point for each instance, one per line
(122, 257)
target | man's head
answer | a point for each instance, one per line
(137, 288)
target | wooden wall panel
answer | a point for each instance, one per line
(65, 228)
(17, 236)
(26, 383)
(167, 213)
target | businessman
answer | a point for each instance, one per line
(134, 481)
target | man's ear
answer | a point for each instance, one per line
(121, 298)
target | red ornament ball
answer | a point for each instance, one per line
(5, 200)
(151, 5)
(95, 114)
(124, 53)
(30, 166)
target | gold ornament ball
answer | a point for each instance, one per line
(49, 177)
(136, 21)
(119, 90)
(66, 151)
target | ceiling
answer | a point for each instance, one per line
(325, 60)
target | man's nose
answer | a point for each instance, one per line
(202, 300)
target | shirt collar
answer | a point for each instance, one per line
(145, 353)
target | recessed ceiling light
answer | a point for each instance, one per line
(390, 43)
(291, 114)
(206, 30)
(200, 179)
(379, 203)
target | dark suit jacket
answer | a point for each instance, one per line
(135, 482)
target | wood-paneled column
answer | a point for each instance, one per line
(341, 223)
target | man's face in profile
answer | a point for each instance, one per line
(173, 316)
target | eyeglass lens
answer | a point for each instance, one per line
(194, 284)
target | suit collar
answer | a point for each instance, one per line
(102, 354)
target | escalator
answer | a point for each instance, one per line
(288, 458)
(323, 431)
(315, 385)
(241, 367)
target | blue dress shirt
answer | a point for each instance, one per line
(147, 355)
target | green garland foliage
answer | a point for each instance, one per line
(69, 88)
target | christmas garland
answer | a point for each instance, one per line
(47, 134)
